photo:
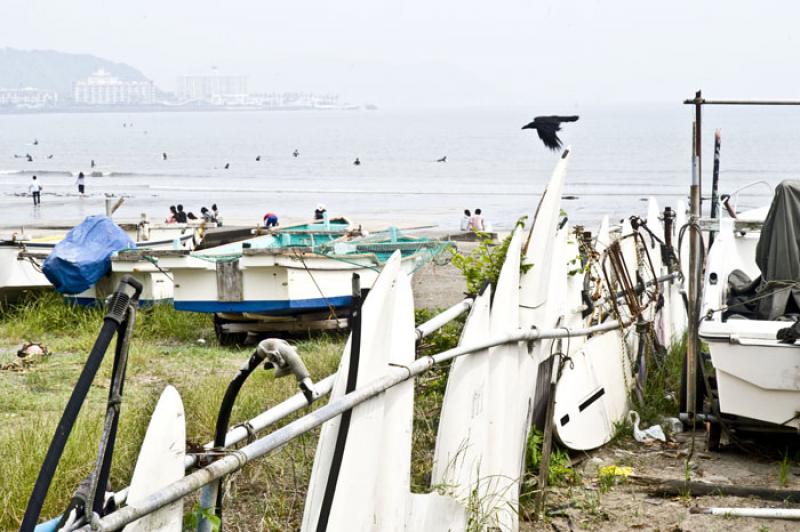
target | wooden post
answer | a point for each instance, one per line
(547, 440)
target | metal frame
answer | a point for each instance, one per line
(695, 215)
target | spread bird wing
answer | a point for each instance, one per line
(548, 132)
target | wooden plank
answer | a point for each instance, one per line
(229, 281)
(712, 224)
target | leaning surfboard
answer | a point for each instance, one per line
(160, 463)
(335, 474)
(462, 443)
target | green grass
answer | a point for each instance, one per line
(662, 389)
(164, 350)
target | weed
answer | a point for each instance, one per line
(784, 467)
(661, 391)
(483, 264)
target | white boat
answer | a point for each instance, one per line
(268, 277)
(21, 260)
(756, 375)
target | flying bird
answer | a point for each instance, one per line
(548, 127)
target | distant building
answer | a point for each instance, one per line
(102, 88)
(28, 97)
(213, 88)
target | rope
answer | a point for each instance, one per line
(308, 271)
(154, 262)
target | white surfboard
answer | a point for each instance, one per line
(502, 468)
(462, 443)
(360, 454)
(592, 395)
(160, 463)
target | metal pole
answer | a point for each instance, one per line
(715, 183)
(275, 440)
(698, 143)
(445, 317)
(692, 340)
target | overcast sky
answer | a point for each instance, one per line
(438, 52)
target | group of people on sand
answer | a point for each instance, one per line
(473, 222)
(178, 216)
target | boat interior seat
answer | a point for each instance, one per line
(741, 291)
(742, 302)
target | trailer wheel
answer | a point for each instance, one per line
(227, 339)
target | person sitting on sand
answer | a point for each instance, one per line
(319, 213)
(81, 182)
(215, 212)
(173, 215)
(465, 220)
(191, 216)
(270, 220)
(476, 222)
(180, 216)
(207, 215)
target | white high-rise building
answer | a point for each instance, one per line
(212, 88)
(101, 88)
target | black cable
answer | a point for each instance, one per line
(224, 416)
(115, 316)
(344, 423)
(66, 423)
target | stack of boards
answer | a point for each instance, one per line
(362, 468)
(492, 396)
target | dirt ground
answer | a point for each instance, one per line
(628, 505)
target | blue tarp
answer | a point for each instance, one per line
(84, 256)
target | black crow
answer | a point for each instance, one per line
(227, 165)
(442, 160)
(258, 157)
(548, 127)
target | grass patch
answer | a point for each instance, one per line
(164, 350)
(662, 388)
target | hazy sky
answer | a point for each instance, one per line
(438, 52)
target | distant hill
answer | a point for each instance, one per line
(47, 69)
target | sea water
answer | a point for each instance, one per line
(621, 156)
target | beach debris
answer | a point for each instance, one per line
(32, 349)
(673, 487)
(616, 471)
(27, 355)
(767, 513)
(647, 435)
(672, 425)
(201, 341)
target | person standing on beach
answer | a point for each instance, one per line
(81, 182)
(35, 189)
(465, 220)
(476, 222)
(320, 212)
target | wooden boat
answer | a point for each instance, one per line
(21, 260)
(303, 270)
(151, 265)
